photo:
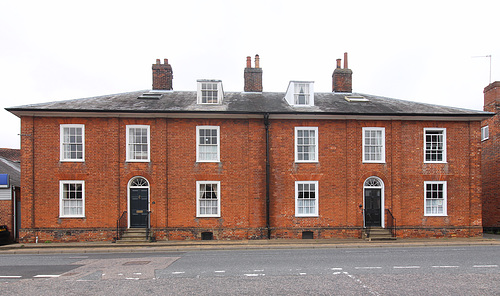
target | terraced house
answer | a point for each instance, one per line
(211, 164)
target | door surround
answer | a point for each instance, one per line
(137, 182)
(374, 182)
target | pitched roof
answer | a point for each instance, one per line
(13, 169)
(11, 154)
(251, 103)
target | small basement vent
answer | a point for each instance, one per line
(307, 235)
(356, 99)
(207, 236)
(150, 96)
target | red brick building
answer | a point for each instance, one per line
(490, 158)
(248, 165)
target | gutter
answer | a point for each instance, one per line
(268, 174)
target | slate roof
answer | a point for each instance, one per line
(13, 169)
(11, 154)
(250, 103)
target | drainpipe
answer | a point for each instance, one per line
(14, 216)
(268, 174)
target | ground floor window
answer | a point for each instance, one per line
(435, 198)
(72, 198)
(208, 198)
(306, 198)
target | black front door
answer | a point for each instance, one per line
(139, 199)
(373, 209)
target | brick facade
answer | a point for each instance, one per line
(173, 172)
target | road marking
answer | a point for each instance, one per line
(220, 271)
(368, 267)
(47, 275)
(336, 268)
(302, 273)
(486, 266)
(10, 276)
(258, 270)
(178, 272)
(406, 267)
(254, 274)
(445, 266)
(131, 278)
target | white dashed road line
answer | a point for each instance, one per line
(10, 276)
(47, 276)
(485, 266)
(445, 266)
(368, 267)
(406, 267)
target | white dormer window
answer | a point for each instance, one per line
(210, 92)
(300, 93)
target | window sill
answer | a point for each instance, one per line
(306, 161)
(72, 160)
(137, 160)
(381, 162)
(208, 161)
(216, 216)
(306, 216)
(435, 161)
(435, 215)
(72, 217)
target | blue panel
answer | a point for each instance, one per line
(4, 180)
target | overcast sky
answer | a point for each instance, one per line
(421, 51)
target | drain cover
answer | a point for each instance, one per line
(136, 263)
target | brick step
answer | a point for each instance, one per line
(134, 235)
(377, 233)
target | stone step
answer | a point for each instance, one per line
(378, 234)
(134, 235)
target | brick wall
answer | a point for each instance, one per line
(173, 172)
(490, 159)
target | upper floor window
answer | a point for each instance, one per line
(72, 199)
(306, 198)
(435, 198)
(138, 143)
(306, 144)
(210, 92)
(374, 144)
(434, 144)
(207, 144)
(72, 142)
(208, 198)
(300, 93)
(485, 133)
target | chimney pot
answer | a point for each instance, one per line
(345, 61)
(257, 61)
(158, 61)
(338, 63)
(249, 62)
(165, 61)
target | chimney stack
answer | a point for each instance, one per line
(492, 97)
(253, 76)
(162, 75)
(342, 78)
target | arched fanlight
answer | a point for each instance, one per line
(139, 182)
(373, 182)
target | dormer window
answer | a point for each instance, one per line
(210, 92)
(300, 93)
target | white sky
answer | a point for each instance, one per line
(420, 50)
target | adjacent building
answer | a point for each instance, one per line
(212, 164)
(490, 158)
(10, 193)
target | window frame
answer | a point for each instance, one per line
(200, 90)
(62, 150)
(316, 144)
(445, 199)
(198, 150)
(316, 198)
(485, 133)
(382, 154)
(61, 198)
(443, 131)
(296, 94)
(128, 151)
(198, 199)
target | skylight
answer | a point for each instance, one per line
(356, 99)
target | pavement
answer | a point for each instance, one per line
(176, 246)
